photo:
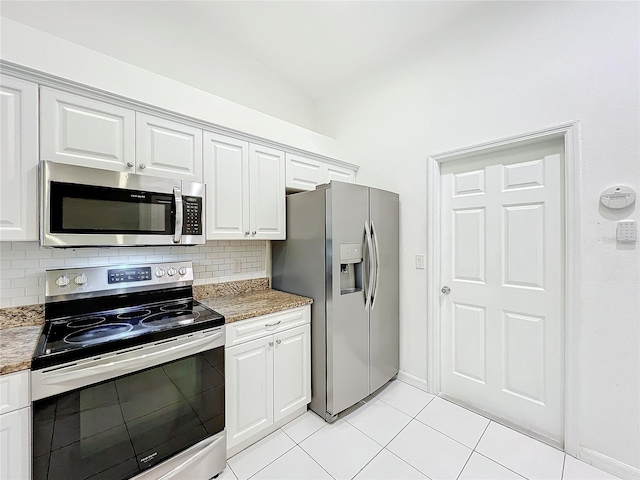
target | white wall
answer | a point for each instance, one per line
(515, 68)
(32, 48)
(177, 40)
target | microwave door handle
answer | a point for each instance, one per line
(177, 194)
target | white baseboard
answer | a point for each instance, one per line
(413, 380)
(608, 464)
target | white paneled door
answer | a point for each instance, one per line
(502, 258)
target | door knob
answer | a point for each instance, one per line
(142, 166)
(446, 290)
(129, 164)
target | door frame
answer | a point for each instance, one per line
(569, 133)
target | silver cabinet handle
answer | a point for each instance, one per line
(253, 233)
(177, 234)
(246, 234)
(273, 324)
(142, 166)
(271, 344)
(278, 341)
(129, 164)
(446, 290)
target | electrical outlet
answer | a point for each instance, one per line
(420, 264)
(237, 265)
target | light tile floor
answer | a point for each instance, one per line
(403, 433)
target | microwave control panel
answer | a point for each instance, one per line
(192, 209)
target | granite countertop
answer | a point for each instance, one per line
(254, 303)
(19, 333)
(20, 327)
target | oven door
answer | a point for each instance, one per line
(120, 427)
(86, 207)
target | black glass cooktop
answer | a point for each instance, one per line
(74, 331)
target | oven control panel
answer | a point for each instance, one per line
(131, 274)
(110, 279)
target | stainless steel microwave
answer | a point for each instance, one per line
(82, 207)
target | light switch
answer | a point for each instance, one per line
(626, 232)
(420, 262)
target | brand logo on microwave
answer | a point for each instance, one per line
(148, 457)
(135, 195)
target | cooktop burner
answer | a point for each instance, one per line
(98, 334)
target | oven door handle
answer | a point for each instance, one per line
(110, 367)
(177, 194)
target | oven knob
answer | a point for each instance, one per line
(182, 271)
(160, 273)
(80, 279)
(62, 281)
(171, 272)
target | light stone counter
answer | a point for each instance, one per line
(19, 333)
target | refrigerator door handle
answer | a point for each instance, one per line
(369, 264)
(376, 249)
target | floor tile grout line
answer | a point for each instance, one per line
(316, 461)
(483, 432)
(465, 465)
(403, 460)
(279, 456)
(234, 473)
(370, 437)
(498, 463)
(365, 465)
(442, 433)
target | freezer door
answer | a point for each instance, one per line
(385, 309)
(347, 319)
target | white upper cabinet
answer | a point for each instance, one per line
(86, 132)
(245, 190)
(339, 174)
(268, 201)
(168, 149)
(226, 174)
(305, 173)
(18, 159)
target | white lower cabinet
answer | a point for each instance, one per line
(15, 451)
(15, 429)
(267, 379)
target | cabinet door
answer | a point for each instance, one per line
(339, 174)
(226, 173)
(291, 371)
(18, 159)
(303, 173)
(85, 132)
(168, 149)
(15, 448)
(267, 217)
(249, 389)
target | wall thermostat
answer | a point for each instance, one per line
(618, 197)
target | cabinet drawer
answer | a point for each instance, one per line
(250, 329)
(14, 391)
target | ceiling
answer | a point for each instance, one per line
(280, 57)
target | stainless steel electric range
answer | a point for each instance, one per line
(128, 377)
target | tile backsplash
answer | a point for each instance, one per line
(22, 264)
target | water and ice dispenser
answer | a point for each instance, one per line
(350, 268)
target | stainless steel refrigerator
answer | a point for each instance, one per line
(342, 251)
